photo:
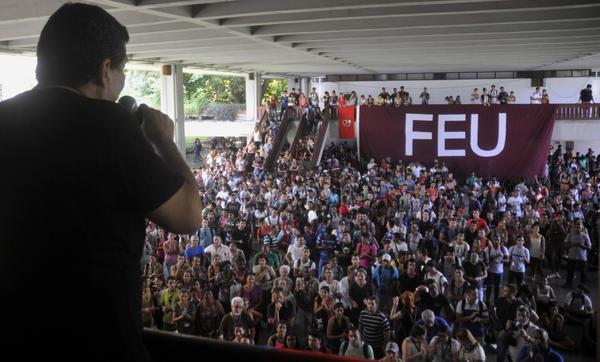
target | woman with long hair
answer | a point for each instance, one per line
(253, 294)
(403, 315)
(184, 314)
(278, 340)
(470, 349)
(209, 313)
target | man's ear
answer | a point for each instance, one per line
(104, 73)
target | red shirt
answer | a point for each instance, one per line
(481, 224)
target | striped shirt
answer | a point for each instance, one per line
(373, 327)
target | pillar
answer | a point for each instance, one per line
(253, 95)
(171, 101)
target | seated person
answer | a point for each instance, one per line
(432, 324)
(553, 322)
(577, 306)
(539, 349)
(544, 296)
(589, 339)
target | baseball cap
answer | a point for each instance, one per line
(392, 346)
(387, 257)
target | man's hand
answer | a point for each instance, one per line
(157, 126)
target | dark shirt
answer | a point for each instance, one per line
(229, 322)
(407, 283)
(85, 175)
(586, 95)
(505, 311)
(285, 313)
(358, 294)
(436, 304)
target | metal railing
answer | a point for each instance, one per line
(577, 112)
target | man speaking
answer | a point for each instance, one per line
(80, 176)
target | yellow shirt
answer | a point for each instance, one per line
(169, 299)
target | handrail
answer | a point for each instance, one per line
(320, 144)
(168, 347)
(577, 111)
(279, 141)
(299, 135)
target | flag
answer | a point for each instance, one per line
(346, 117)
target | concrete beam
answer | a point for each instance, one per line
(426, 21)
(276, 7)
(403, 11)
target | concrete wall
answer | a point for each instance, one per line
(561, 90)
(584, 135)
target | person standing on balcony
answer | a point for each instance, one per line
(424, 96)
(536, 96)
(585, 96)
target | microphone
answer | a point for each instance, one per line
(131, 106)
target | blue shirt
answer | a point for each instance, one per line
(433, 330)
(326, 240)
(550, 356)
(191, 252)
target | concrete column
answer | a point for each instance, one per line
(253, 95)
(171, 101)
(259, 92)
(304, 86)
(293, 83)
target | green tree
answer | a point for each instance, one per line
(274, 89)
(144, 86)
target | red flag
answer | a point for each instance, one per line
(346, 116)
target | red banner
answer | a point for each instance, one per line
(346, 117)
(505, 141)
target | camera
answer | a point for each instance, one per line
(516, 326)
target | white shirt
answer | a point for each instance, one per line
(516, 203)
(496, 256)
(296, 251)
(312, 215)
(345, 292)
(519, 256)
(334, 287)
(536, 97)
(439, 351)
(477, 354)
(223, 251)
(535, 246)
(439, 278)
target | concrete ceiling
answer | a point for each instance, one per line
(319, 37)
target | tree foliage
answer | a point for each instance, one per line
(144, 86)
(274, 88)
(199, 90)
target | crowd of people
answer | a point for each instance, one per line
(380, 260)
(400, 97)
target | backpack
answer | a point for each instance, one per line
(365, 348)
(464, 301)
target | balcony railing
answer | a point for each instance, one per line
(577, 111)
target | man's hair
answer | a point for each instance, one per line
(428, 314)
(75, 41)
(236, 300)
(417, 331)
(525, 311)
